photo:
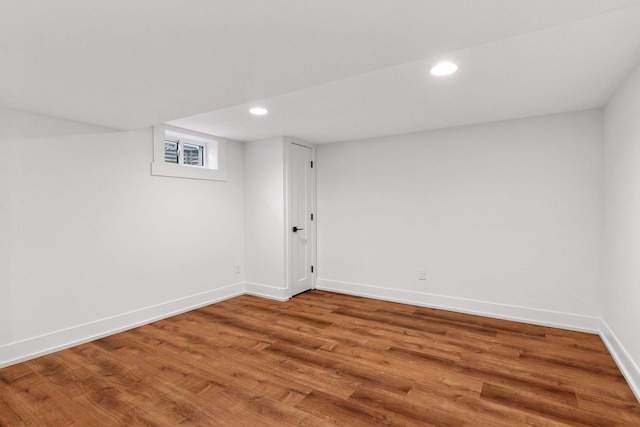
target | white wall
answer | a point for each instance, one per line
(91, 242)
(504, 216)
(265, 217)
(620, 293)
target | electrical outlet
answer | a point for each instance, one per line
(236, 269)
(422, 274)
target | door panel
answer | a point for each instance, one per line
(302, 194)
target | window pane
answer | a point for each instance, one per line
(193, 155)
(170, 152)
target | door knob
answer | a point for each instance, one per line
(296, 229)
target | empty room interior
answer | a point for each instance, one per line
(296, 212)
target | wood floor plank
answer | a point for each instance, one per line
(336, 411)
(398, 410)
(529, 401)
(464, 410)
(345, 369)
(130, 391)
(307, 375)
(50, 404)
(323, 359)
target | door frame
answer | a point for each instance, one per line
(288, 235)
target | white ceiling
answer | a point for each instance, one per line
(327, 70)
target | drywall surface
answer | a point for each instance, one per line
(264, 216)
(89, 236)
(505, 218)
(620, 293)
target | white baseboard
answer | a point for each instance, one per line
(38, 346)
(266, 291)
(627, 366)
(44, 344)
(483, 308)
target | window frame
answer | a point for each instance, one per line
(181, 151)
(200, 147)
(214, 168)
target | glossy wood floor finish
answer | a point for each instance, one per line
(323, 359)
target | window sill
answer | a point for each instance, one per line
(178, 171)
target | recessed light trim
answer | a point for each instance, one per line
(258, 111)
(444, 68)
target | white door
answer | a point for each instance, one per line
(301, 215)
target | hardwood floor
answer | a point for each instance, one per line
(323, 359)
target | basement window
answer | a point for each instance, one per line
(183, 153)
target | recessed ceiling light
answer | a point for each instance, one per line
(444, 68)
(258, 111)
